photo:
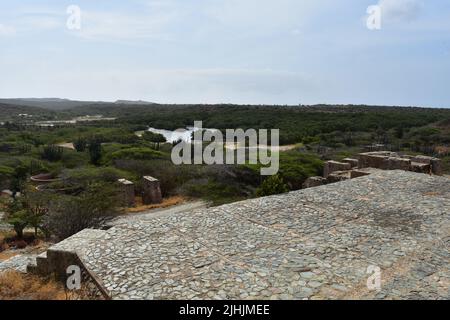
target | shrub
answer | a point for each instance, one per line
(92, 208)
(95, 151)
(272, 185)
(136, 154)
(80, 144)
(52, 153)
(154, 138)
(87, 175)
(17, 216)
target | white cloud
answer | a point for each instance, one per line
(400, 10)
(261, 15)
(40, 23)
(6, 31)
(111, 26)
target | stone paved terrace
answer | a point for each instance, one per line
(311, 244)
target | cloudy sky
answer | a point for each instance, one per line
(228, 51)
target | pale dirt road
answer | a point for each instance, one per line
(67, 145)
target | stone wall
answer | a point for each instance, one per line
(386, 160)
(353, 162)
(350, 168)
(333, 166)
(435, 164)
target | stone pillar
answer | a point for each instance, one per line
(151, 193)
(127, 188)
(436, 167)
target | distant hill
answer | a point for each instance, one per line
(47, 103)
(58, 104)
(9, 111)
(132, 102)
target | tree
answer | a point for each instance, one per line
(272, 185)
(399, 132)
(18, 179)
(154, 137)
(91, 208)
(28, 210)
(17, 216)
(95, 151)
(80, 144)
(52, 153)
(37, 208)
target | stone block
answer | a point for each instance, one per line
(151, 193)
(422, 159)
(333, 166)
(371, 161)
(396, 163)
(338, 176)
(358, 173)
(421, 167)
(353, 162)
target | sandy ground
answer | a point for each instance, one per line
(234, 146)
(68, 145)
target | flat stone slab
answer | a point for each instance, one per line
(315, 243)
(18, 263)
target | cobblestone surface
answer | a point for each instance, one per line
(311, 244)
(18, 263)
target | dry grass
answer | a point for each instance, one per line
(10, 246)
(18, 286)
(7, 255)
(169, 202)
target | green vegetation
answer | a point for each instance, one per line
(105, 151)
(272, 185)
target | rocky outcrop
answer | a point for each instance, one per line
(314, 182)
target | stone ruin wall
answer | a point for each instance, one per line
(349, 168)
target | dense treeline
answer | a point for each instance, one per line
(296, 123)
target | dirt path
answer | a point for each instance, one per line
(67, 145)
(234, 146)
